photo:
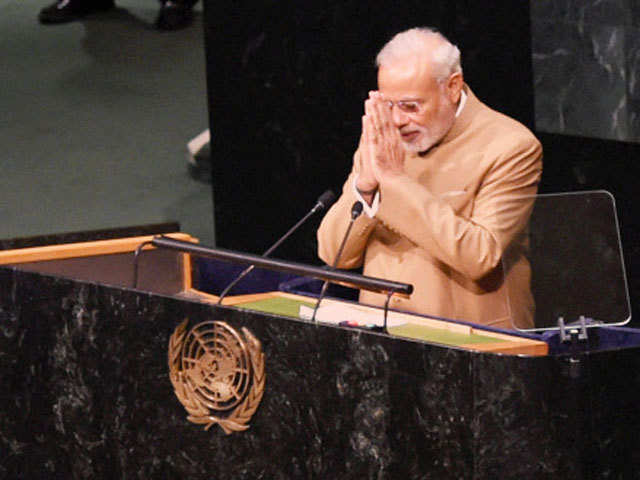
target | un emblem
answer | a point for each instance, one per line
(217, 374)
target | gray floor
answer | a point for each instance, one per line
(95, 116)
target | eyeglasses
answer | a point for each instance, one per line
(407, 106)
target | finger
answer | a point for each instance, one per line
(380, 99)
(370, 109)
(379, 115)
(365, 130)
(380, 111)
(387, 125)
(383, 110)
(381, 96)
(369, 100)
(373, 122)
(367, 150)
(368, 105)
(364, 146)
(370, 136)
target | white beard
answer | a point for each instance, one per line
(424, 141)
(429, 136)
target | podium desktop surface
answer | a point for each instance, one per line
(401, 324)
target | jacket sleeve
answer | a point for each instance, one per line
(335, 223)
(473, 246)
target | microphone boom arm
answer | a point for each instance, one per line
(355, 280)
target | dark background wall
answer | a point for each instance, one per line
(287, 81)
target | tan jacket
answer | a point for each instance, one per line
(447, 225)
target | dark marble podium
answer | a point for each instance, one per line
(86, 394)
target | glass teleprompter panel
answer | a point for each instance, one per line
(572, 245)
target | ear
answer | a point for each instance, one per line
(454, 87)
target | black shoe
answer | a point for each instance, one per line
(64, 11)
(174, 15)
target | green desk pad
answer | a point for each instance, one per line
(440, 335)
(289, 307)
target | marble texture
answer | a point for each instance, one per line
(86, 394)
(586, 65)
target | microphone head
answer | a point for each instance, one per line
(326, 199)
(356, 209)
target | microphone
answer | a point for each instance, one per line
(356, 210)
(324, 201)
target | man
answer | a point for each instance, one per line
(173, 14)
(442, 178)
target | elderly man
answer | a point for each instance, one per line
(443, 179)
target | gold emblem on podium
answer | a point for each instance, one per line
(217, 374)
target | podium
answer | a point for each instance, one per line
(87, 387)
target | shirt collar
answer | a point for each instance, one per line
(463, 100)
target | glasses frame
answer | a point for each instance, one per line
(405, 106)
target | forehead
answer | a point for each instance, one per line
(411, 78)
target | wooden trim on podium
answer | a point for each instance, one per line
(256, 297)
(197, 295)
(186, 268)
(512, 346)
(88, 249)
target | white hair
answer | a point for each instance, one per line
(418, 43)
